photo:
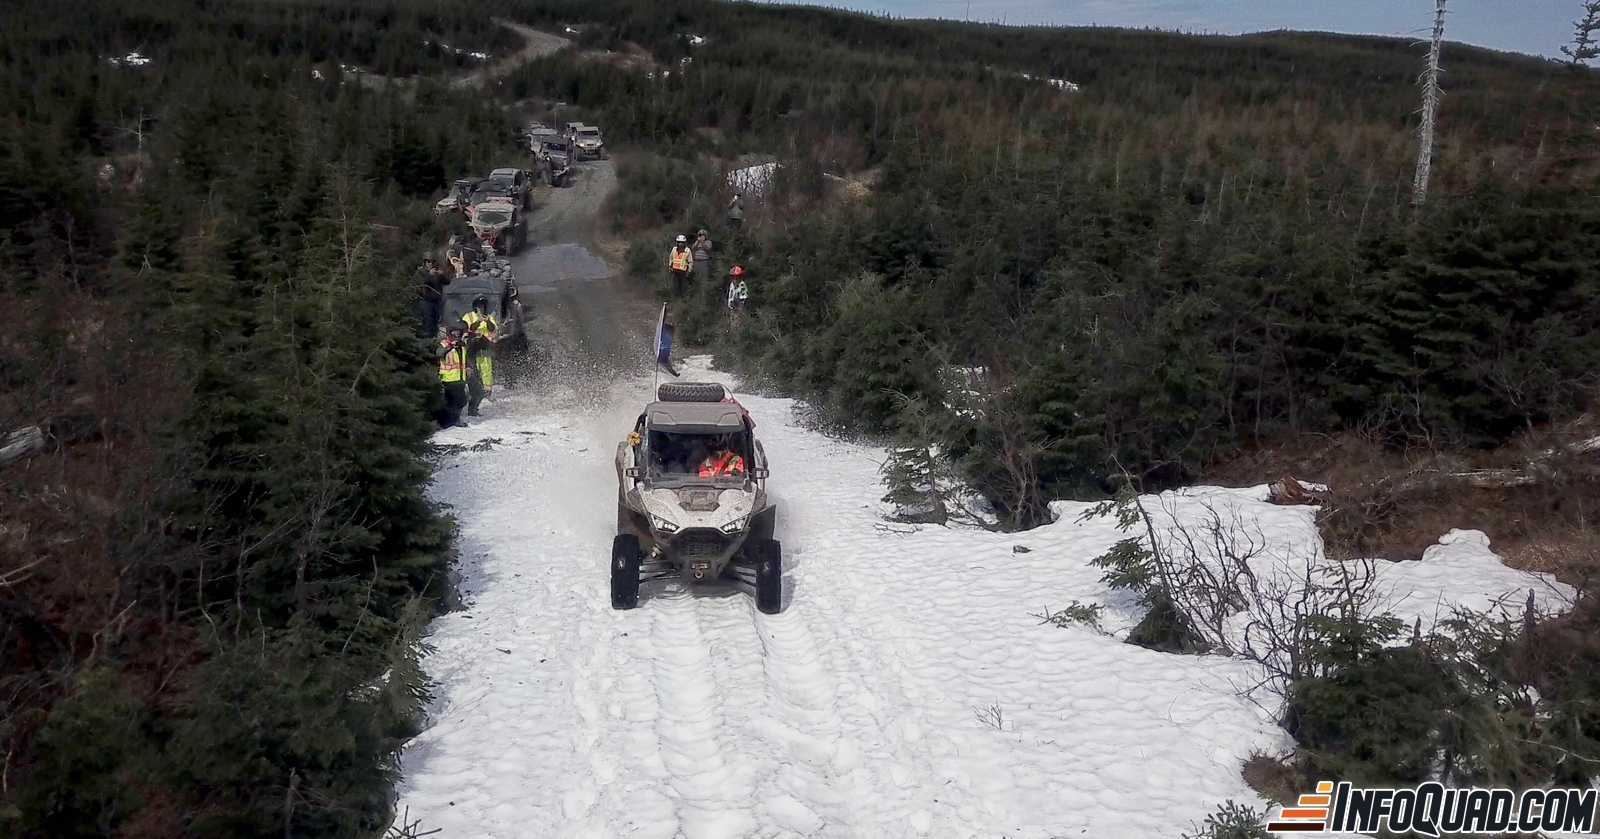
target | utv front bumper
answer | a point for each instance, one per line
(701, 552)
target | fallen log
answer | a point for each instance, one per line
(16, 445)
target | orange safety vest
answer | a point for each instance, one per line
(681, 259)
(453, 367)
(727, 464)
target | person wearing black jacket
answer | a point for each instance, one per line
(430, 295)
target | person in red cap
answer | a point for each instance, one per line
(738, 292)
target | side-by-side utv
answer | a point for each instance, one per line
(692, 499)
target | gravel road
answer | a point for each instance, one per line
(589, 326)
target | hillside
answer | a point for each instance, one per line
(1211, 242)
(221, 569)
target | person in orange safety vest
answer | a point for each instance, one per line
(722, 461)
(680, 260)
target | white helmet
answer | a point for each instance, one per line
(682, 238)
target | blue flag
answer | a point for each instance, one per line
(664, 342)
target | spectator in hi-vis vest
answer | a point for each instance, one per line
(480, 331)
(681, 261)
(453, 375)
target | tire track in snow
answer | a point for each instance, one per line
(613, 786)
(823, 780)
(910, 783)
(617, 745)
(713, 792)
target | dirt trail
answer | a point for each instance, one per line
(536, 44)
(589, 326)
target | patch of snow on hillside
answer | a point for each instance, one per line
(753, 181)
(1461, 572)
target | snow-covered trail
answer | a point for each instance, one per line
(906, 690)
(855, 712)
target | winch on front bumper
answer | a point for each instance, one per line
(702, 552)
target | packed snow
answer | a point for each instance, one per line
(753, 181)
(908, 689)
(1059, 84)
(132, 59)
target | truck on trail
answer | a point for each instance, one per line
(517, 183)
(533, 133)
(586, 141)
(677, 518)
(555, 160)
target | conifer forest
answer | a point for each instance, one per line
(1035, 263)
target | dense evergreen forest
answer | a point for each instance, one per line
(216, 582)
(1211, 242)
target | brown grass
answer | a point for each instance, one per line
(79, 535)
(1390, 504)
(1277, 780)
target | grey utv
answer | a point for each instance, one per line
(674, 522)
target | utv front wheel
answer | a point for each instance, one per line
(625, 557)
(769, 576)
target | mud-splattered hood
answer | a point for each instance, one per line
(726, 510)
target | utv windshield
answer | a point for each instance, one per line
(678, 459)
(491, 218)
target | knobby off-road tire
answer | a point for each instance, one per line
(625, 558)
(769, 576)
(690, 392)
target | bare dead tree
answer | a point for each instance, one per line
(1244, 599)
(1430, 105)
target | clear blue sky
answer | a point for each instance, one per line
(1538, 27)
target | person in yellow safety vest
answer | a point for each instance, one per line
(721, 461)
(453, 375)
(681, 261)
(480, 328)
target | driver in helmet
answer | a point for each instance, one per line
(722, 459)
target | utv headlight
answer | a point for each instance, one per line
(662, 524)
(734, 526)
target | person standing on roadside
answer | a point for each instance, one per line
(736, 212)
(702, 257)
(738, 293)
(464, 255)
(430, 295)
(680, 260)
(479, 327)
(453, 375)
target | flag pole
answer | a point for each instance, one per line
(655, 351)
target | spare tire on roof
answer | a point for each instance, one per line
(690, 392)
